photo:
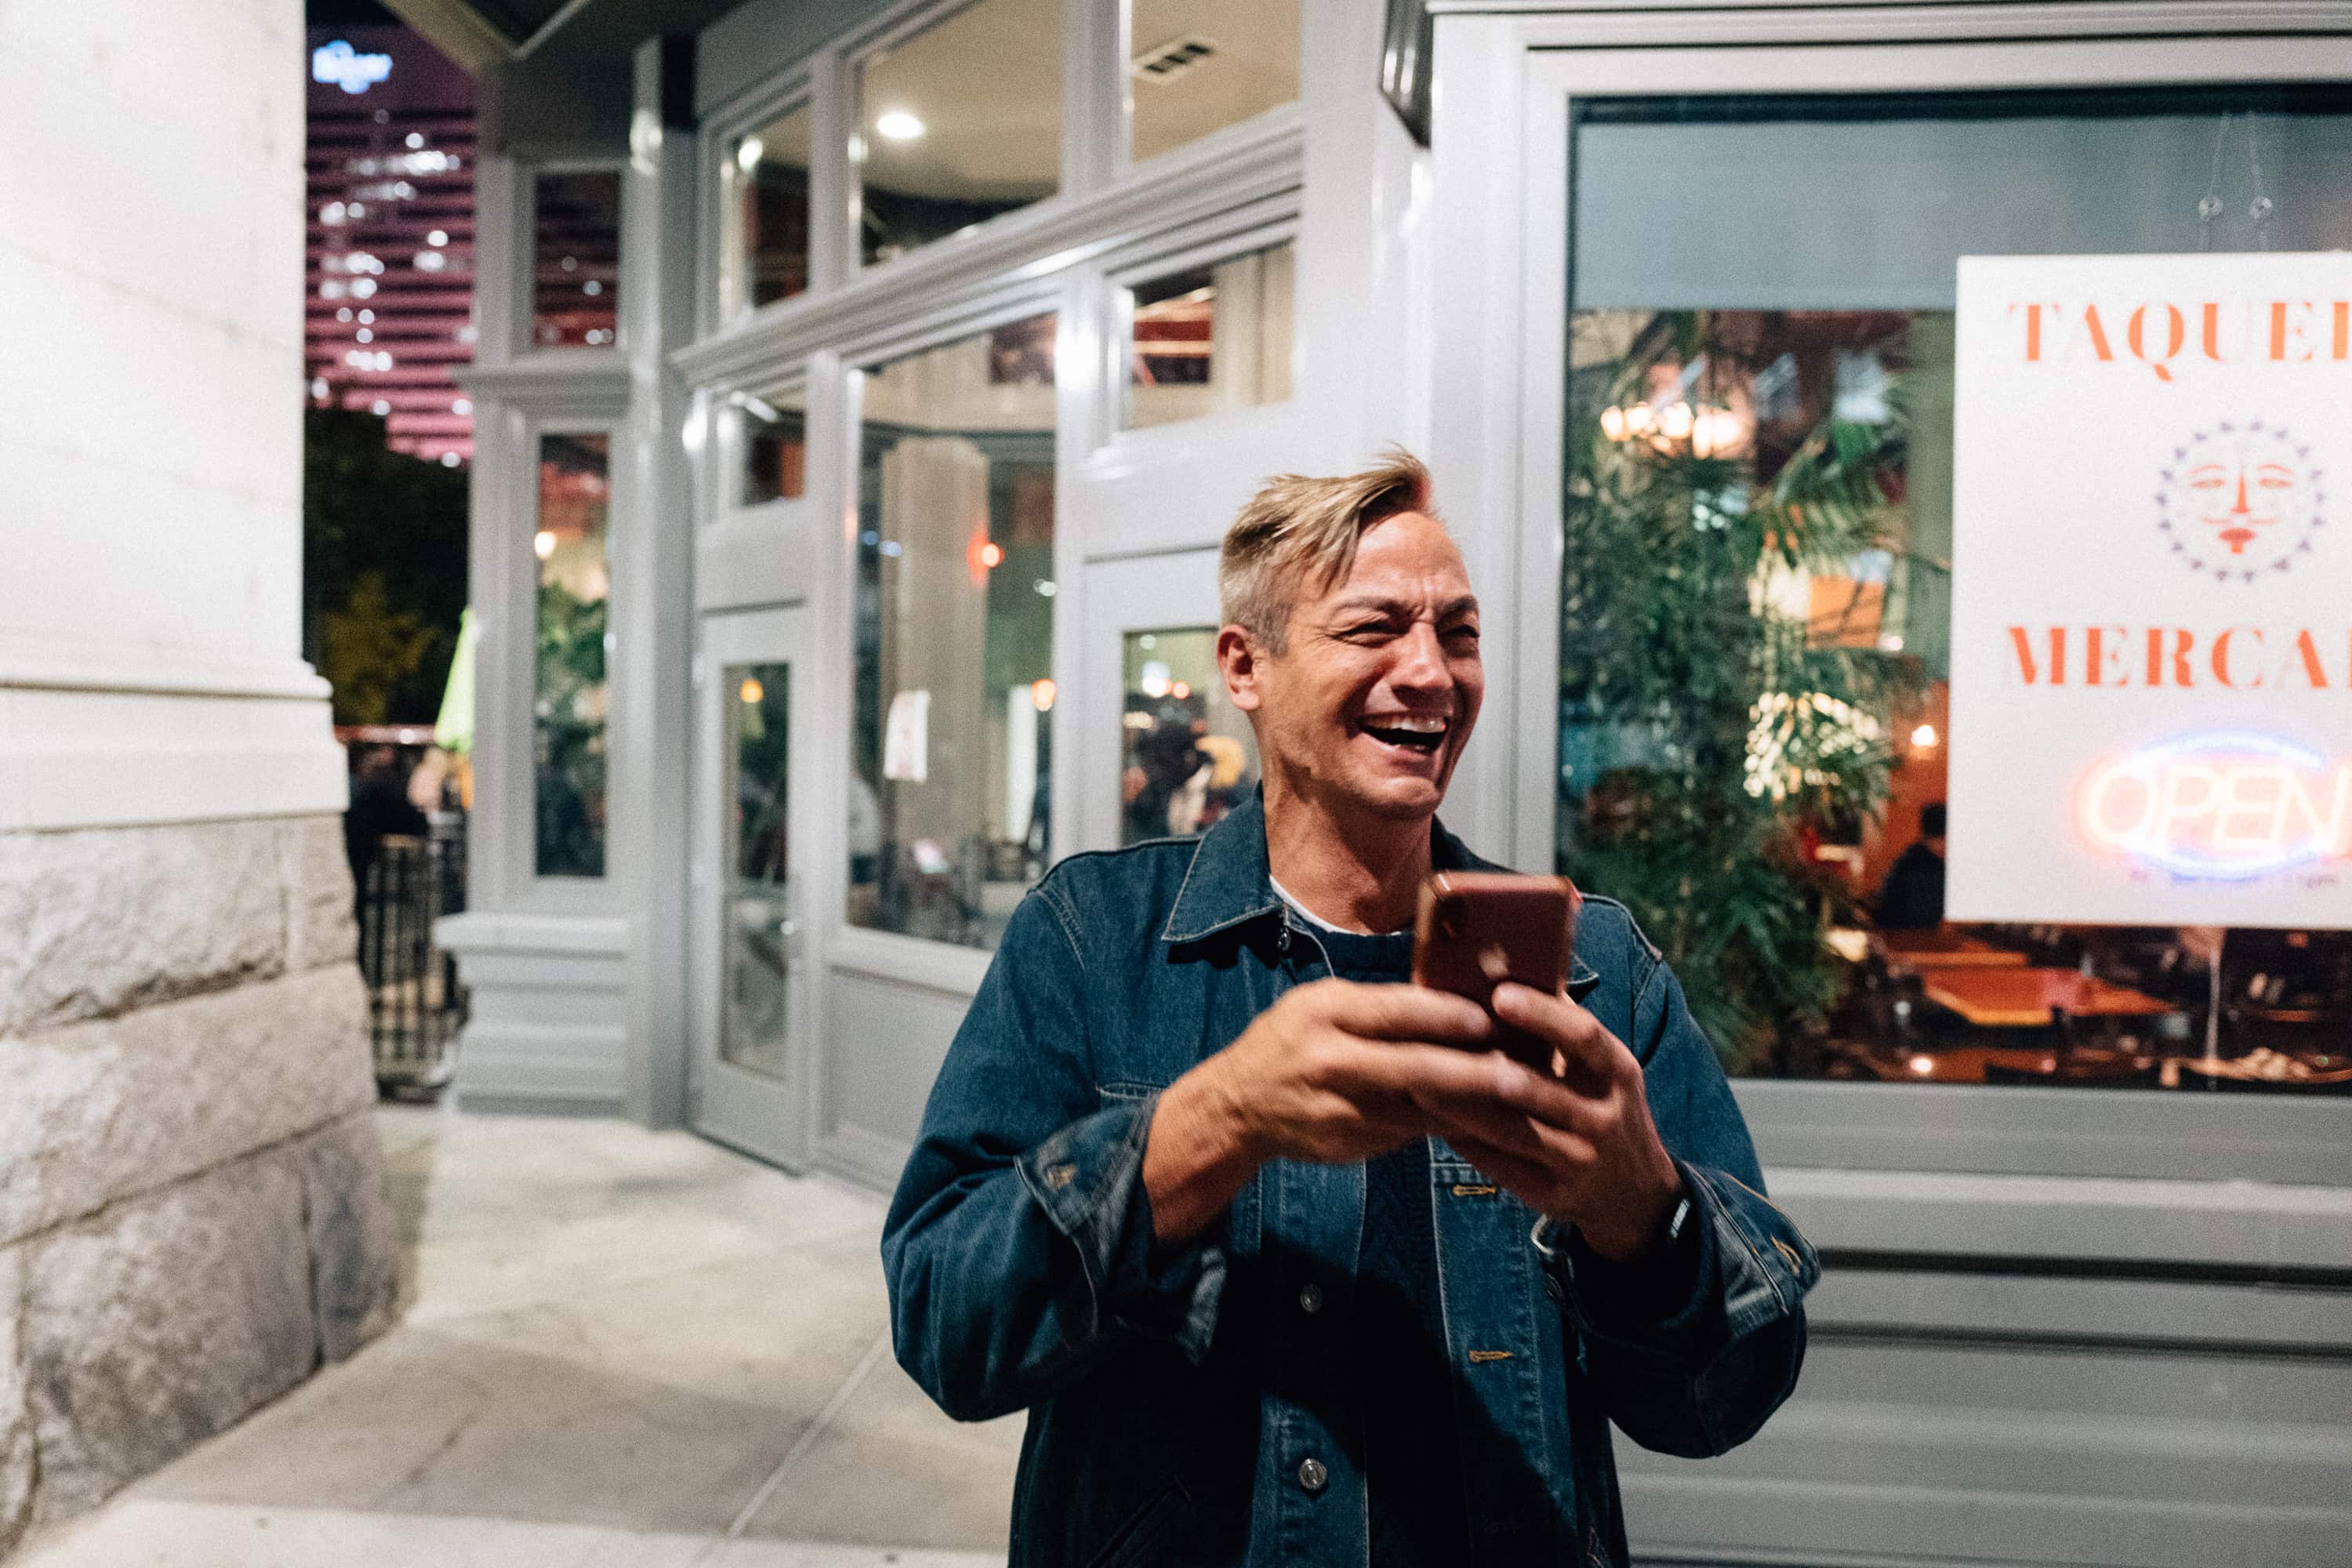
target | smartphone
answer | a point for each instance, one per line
(1474, 930)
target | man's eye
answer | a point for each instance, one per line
(1468, 634)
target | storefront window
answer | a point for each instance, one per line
(576, 258)
(1199, 68)
(1756, 653)
(568, 693)
(1188, 756)
(958, 124)
(772, 434)
(1211, 338)
(765, 181)
(951, 800)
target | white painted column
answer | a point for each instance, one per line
(191, 1205)
(653, 699)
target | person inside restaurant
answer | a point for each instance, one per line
(1912, 897)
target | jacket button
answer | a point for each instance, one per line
(1282, 940)
(1310, 1297)
(1312, 1476)
(1551, 1287)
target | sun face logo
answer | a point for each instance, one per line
(2238, 500)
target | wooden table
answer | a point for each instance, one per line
(2025, 998)
(1914, 950)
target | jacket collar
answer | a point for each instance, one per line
(1228, 883)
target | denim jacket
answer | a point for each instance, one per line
(1176, 1395)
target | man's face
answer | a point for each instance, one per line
(1375, 695)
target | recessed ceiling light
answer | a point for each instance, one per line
(897, 125)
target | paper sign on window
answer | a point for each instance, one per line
(907, 738)
(2152, 591)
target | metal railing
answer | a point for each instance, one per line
(415, 1004)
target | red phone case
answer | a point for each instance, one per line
(1476, 929)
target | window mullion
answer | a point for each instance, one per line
(1094, 95)
(833, 224)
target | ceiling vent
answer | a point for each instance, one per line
(1173, 58)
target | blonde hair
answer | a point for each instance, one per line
(1300, 532)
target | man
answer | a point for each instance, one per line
(1912, 896)
(379, 808)
(1286, 1267)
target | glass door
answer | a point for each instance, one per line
(750, 966)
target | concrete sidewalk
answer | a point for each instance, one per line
(622, 1349)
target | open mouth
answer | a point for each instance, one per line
(1409, 733)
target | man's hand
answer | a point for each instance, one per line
(1333, 1073)
(1579, 1147)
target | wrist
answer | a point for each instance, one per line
(1232, 1135)
(1197, 1154)
(1640, 1229)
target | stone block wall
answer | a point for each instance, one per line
(192, 1217)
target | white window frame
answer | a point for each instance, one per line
(889, 955)
(522, 341)
(1231, 192)
(1174, 592)
(515, 406)
(1504, 84)
(1081, 162)
(720, 225)
(1262, 226)
(1124, 163)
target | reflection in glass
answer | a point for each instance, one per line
(761, 940)
(568, 689)
(1201, 65)
(765, 181)
(576, 258)
(1187, 756)
(950, 805)
(1755, 591)
(959, 124)
(1211, 338)
(772, 434)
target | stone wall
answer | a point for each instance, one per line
(192, 1217)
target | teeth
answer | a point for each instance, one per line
(1410, 725)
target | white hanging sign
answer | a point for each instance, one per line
(907, 738)
(2151, 689)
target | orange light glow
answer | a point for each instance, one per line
(992, 554)
(751, 690)
(1042, 693)
(1180, 690)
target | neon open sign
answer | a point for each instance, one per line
(2223, 805)
(346, 67)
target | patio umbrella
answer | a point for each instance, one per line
(454, 731)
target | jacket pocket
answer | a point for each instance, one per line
(1148, 1535)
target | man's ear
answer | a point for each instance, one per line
(1238, 661)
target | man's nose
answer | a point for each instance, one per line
(1420, 663)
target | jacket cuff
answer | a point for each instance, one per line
(1668, 1308)
(1660, 1296)
(1088, 1180)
